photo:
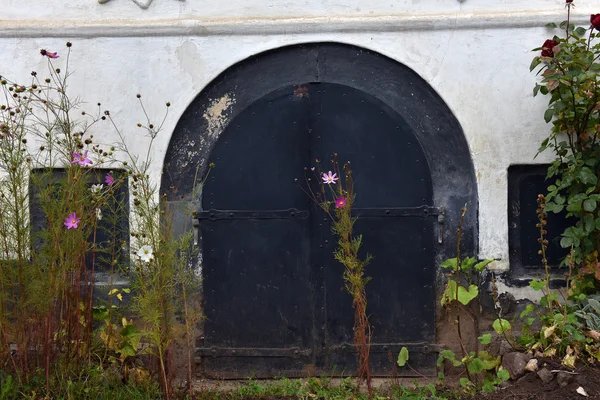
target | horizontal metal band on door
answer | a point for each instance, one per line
(292, 213)
(418, 347)
(296, 352)
(288, 352)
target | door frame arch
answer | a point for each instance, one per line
(403, 90)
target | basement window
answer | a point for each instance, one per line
(525, 183)
(112, 233)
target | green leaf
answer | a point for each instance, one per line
(588, 223)
(548, 299)
(503, 375)
(432, 390)
(595, 67)
(571, 319)
(129, 331)
(579, 297)
(501, 326)
(580, 31)
(450, 356)
(559, 106)
(475, 366)
(449, 263)
(481, 265)
(6, 387)
(449, 294)
(537, 284)
(558, 317)
(548, 114)
(528, 309)
(486, 338)
(586, 176)
(534, 63)
(554, 208)
(566, 242)
(488, 361)
(127, 350)
(467, 264)
(100, 313)
(440, 361)
(589, 205)
(488, 385)
(126, 290)
(559, 199)
(465, 296)
(551, 25)
(402, 357)
(464, 383)
(543, 146)
(575, 202)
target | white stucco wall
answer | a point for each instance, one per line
(475, 53)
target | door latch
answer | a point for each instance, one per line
(196, 228)
(441, 220)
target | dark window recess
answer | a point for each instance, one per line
(525, 183)
(112, 230)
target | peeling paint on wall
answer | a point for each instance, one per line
(216, 115)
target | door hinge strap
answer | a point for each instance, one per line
(289, 352)
(290, 213)
(293, 213)
(419, 347)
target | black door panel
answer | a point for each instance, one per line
(273, 291)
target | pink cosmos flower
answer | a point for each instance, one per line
(72, 221)
(109, 179)
(340, 202)
(81, 159)
(51, 54)
(329, 178)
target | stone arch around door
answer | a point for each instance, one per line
(272, 293)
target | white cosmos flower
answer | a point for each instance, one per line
(145, 253)
(329, 178)
(97, 188)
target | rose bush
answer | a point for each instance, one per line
(569, 68)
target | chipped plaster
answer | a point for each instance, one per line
(216, 115)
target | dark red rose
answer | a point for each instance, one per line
(547, 48)
(569, 1)
(595, 21)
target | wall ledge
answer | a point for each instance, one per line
(197, 26)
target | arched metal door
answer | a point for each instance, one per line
(272, 294)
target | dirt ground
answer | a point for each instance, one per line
(531, 387)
